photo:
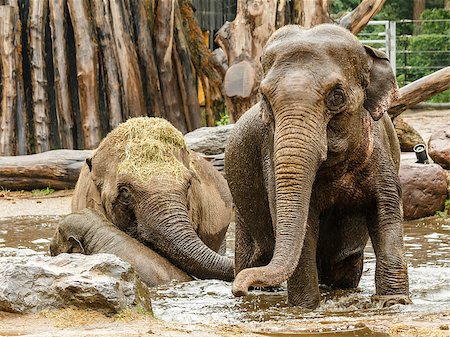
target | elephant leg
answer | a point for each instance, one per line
(303, 285)
(344, 274)
(342, 239)
(248, 252)
(386, 234)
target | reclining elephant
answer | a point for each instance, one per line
(312, 169)
(89, 232)
(149, 185)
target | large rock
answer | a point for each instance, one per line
(424, 189)
(209, 140)
(407, 135)
(439, 147)
(103, 282)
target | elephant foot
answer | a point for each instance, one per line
(385, 301)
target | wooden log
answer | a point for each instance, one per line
(36, 25)
(63, 101)
(108, 52)
(308, 13)
(164, 31)
(244, 40)
(58, 169)
(87, 72)
(186, 78)
(421, 90)
(9, 19)
(132, 91)
(146, 55)
(357, 19)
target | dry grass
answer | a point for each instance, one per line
(146, 147)
(70, 317)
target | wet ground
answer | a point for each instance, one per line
(199, 304)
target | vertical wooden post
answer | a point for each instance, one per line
(109, 55)
(133, 93)
(309, 13)
(64, 110)
(36, 23)
(164, 39)
(87, 72)
(8, 38)
(146, 53)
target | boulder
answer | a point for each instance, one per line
(424, 189)
(209, 140)
(31, 282)
(439, 147)
(407, 135)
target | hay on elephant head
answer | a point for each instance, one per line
(147, 146)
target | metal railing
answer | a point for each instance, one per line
(413, 51)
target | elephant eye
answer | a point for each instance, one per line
(124, 194)
(336, 99)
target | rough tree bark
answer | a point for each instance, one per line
(421, 90)
(146, 52)
(133, 93)
(8, 39)
(40, 106)
(63, 101)
(109, 57)
(164, 39)
(243, 41)
(87, 72)
(357, 19)
(310, 13)
(58, 169)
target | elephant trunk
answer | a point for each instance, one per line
(173, 236)
(299, 149)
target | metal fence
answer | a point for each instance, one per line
(415, 48)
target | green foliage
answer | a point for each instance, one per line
(444, 213)
(43, 192)
(224, 119)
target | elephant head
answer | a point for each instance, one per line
(149, 185)
(318, 84)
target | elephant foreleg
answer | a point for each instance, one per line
(386, 234)
(303, 285)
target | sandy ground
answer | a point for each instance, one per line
(71, 322)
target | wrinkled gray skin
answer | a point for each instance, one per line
(89, 232)
(313, 170)
(183, 219)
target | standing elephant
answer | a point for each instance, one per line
(146, 182)
(312, 169)
(89, 232)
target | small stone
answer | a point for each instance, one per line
(424, 189)
(439, 147)
(102, 282)
(443, 327)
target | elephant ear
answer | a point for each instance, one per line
(75, 246)
(382, 88)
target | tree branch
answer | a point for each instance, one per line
(421, 90)
(357, 19)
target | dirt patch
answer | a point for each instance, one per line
(13, 204)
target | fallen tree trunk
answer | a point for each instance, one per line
(9, 35)
(421, 90)
(58, 169)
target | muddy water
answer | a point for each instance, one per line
(427, 244)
